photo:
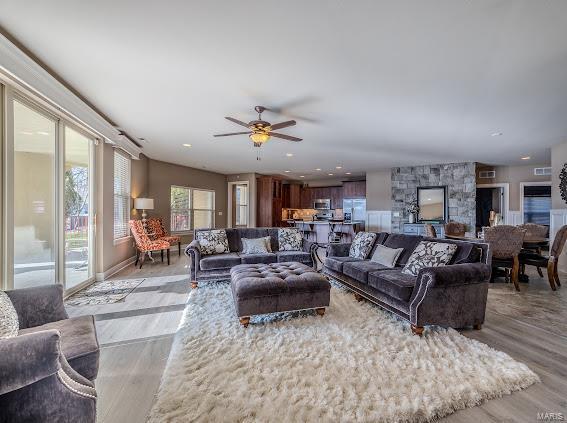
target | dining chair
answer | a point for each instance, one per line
(532, 258)
(455, 229)
(534, 231)
(505, 244)
(430, 230)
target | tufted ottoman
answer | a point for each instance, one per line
(276, 287)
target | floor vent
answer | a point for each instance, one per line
(542, 171)
(487, 174)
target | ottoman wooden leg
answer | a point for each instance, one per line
(478, 326)
(193, 284)
(358, 297)
(320, 311)
(244, 321)
(417, 330)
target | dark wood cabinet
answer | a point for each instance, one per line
(354, 189)
(291, 196)
(269, 199)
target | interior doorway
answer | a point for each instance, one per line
(489, 205)
(239, 205)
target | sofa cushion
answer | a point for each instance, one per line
(212, 241)
(359, 269)
(289, 239)
(219, 261)
(258, 258)
(299, 256)
(336, 263)
(393, 283)
(78, 343)
(362, 244)
(386, 256)
(256, 245)
(407, 242)
(250, 233)
(429, 254)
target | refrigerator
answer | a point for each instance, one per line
(356, 207)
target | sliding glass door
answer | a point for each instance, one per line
(48, 198)
(34, 204)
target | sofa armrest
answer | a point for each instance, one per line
(193, 251)
(338, 250)
(27, 359)
(308, 246)
(456, 274)
(38, 305)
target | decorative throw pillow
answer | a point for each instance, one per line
(213, 242)
(254, 246)
(386, 256)
(9, 324)
(429, 254)
(289, 239)
(362, 244)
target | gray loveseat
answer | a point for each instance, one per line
(217, 266)
(47, 371)
(451, 296)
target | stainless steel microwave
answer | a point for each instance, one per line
(322, 204)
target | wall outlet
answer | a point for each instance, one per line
(220, 213)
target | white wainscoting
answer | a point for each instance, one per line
(379, 220)
(514, 218)
(558, 219)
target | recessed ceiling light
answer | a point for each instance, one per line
(287, 171)
(347, 173)
(496, 134)
(289, 154)
(339, 167)
(187, 145)
(302, 176)
(330, 174)
(26, 133)
(526, 158)
(42, 133)
(318, 168)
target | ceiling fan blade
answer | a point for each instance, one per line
(283, 124)
(232, 133)
(238, 122)
(285, 137)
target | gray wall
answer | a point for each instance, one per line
(459, 179)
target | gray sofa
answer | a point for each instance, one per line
(217, 266)
(451, 296)
(47, 371)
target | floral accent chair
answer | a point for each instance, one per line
(532, 258)
(455, 229)
(157, 228)
(144, 244)
(506, 243)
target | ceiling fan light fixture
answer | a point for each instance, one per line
(259, 137)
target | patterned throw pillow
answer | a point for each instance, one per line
(429, 254)
(255, 246)
(9, 324)
(213, 242)
(362, 244)
(289, 239)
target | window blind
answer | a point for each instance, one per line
(121, 194)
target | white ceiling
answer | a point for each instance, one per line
(381, 83)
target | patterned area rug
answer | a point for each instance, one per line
(356, 363)
(104, 292)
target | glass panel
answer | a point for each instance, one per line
(203, 200)
(180, 206)
(241, 195)
(77, 208)
(34, 205)
(203, 219)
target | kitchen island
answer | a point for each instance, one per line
(323, 231)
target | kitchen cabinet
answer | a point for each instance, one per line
(269, 192)
(354, 189)
(291, 196)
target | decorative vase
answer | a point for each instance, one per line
(411, 218)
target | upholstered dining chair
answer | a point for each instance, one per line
(455, 229)
(430, 230)
(533, 231)
(506, 243)
(532, 258)
(144, 244)
(157, 228)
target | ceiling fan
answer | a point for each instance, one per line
(260, 131)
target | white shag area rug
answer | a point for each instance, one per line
(357, 363)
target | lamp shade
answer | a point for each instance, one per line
(144, 203)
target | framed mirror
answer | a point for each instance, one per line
(432, 202)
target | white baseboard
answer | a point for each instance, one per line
(115, 269)
(379, 220)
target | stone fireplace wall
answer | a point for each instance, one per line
(459, 178)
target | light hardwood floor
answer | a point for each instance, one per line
(136, 337)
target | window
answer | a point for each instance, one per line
(241, 205)
(191, 208)
(121, 194)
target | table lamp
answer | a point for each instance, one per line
(144, 204)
